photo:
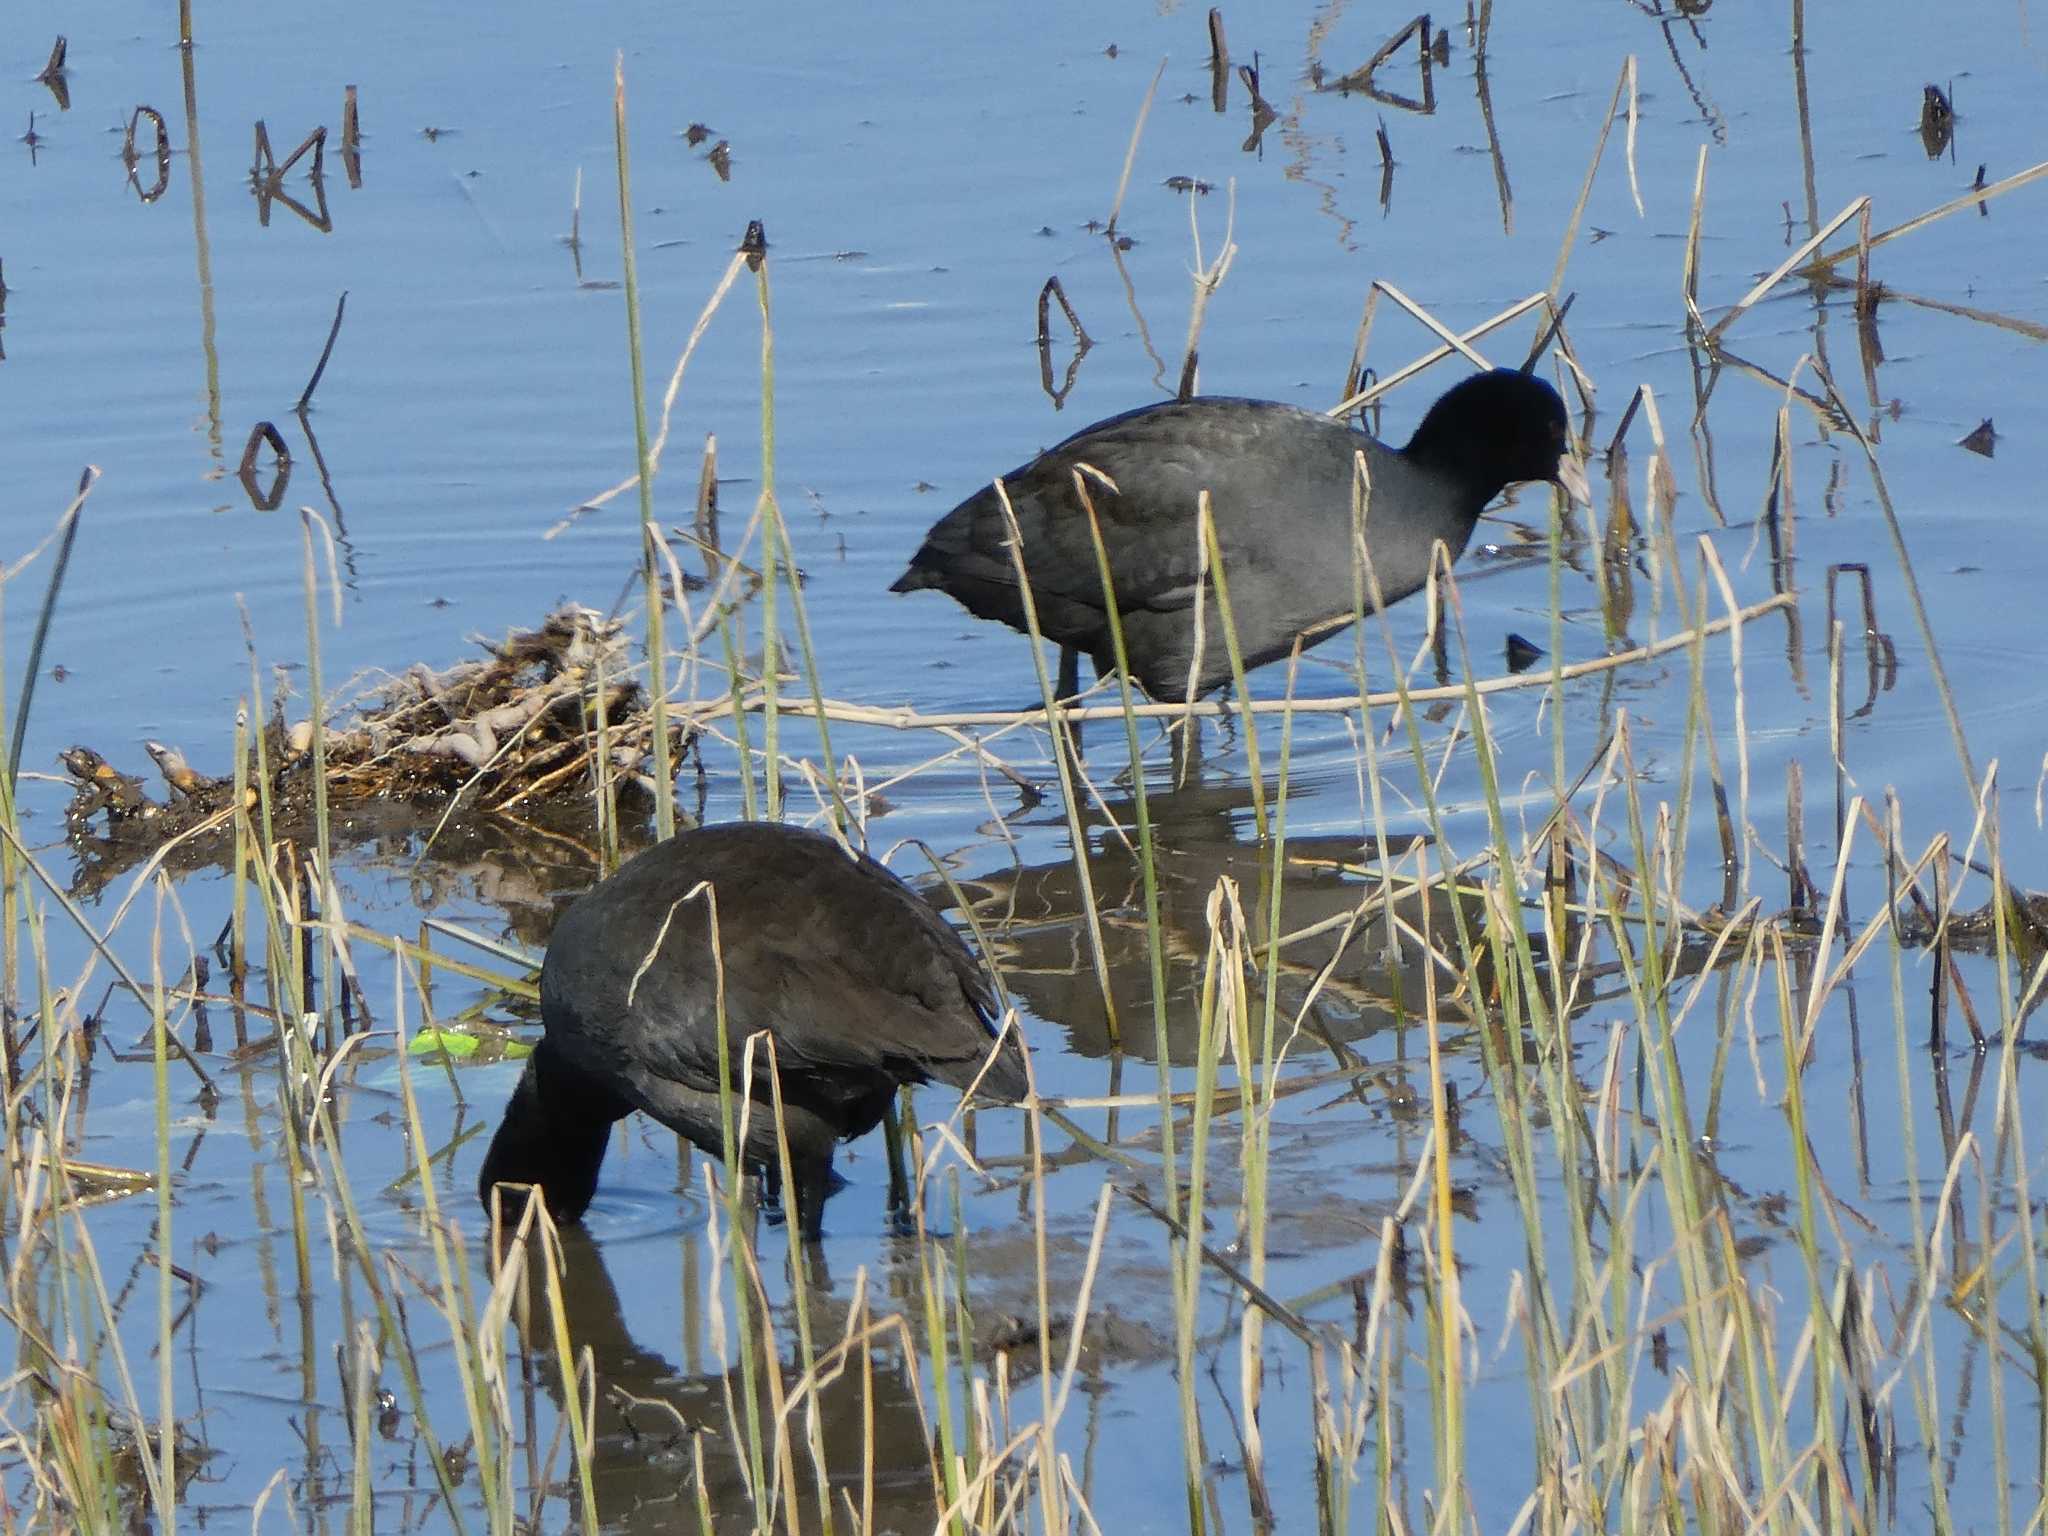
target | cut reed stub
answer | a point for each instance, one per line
(1219, 62)
(1937, 121)
(351, 138)
(1522, 654)
(1982, 439)
(55, 76)
(754, 246)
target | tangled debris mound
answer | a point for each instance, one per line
(530, 722)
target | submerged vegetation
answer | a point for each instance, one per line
(1572, 993)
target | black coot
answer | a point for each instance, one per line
(861, 983)
(1280, 486)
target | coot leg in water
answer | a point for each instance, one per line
(862, 986)
(1280, 486)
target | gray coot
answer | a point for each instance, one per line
(1280, 486)
(862, 985)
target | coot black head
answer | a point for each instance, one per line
(1281, 483)
(861, 985)
(1497, 429)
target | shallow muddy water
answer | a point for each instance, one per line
(919, 179)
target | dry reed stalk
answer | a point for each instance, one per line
(1999, 188)
(1123, 181)
(909, 719)
(1625, 83)
(731, 274)
(1777, 274)
(1458, 342)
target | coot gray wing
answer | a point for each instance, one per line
(862, 985)
(1281, 482)
(846, 966)
(1160, 458)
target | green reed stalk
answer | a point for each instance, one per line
(2012, 1139)
(102, 1484)
(573, 1406)
(1050, 1501)
(364, 1255)
(1447, 1382)
(77, 1285)
(1992, 1334)
(1256, 1124)
(362, 1508)
(599, 716)
(44, 616)
(317, 699)
(799, 1287)
(160, 1064)
(737, 691)
(783, 1491)
(1148, 865)
(1223, 999)
(10, 895)
(771, 549)
(238, 917)
(1220, 582)
(650, 532)
(963, 1315)
(1501, 1058)
(286, 1011)
(1924, 1375)
(840, 814)
(1643, 971)
(1361, 604)
(1524, 1007)
(728, 1113)
(1383, 1489)
(931, 1276)
(277, 965)
(1063, 755)
(1560, 504)
(1573, 1141)
(454, 1300)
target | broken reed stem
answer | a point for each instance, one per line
(68, 527)
(733, 268)
(1777, 274)
(316, 703)
(772, 543)
(1975, 195)
(650, 534)
(1451, 339)
(1428, 359)
(1131, 154)
(1625, 82)
(327, 351)
(1207, 280)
